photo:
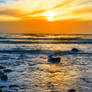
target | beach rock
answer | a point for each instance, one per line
(1, 90)
(4, 77)
(7, 70)
(2, 87)
(71, 90)
(2, 67)
(75, 50)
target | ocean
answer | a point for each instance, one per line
(27, 56)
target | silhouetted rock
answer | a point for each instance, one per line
(1, 90)
(52, 59)
(71, 90)
(7, 70)
(2, 86)
(2, 67)
(75, 50)
(4, 77)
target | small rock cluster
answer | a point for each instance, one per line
(3, 71)
(3, 75)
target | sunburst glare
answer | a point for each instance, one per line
(50, 16)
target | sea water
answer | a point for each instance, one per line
(27, 56)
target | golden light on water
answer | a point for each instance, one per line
(55, 77)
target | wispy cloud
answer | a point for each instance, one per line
(62, 9)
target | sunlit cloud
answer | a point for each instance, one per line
(51, 10)
(8, 18)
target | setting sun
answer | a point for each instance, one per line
(50, 18)
(42, 16)
(49, 15)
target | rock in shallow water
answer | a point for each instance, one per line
(71, 90)
(74, 50)
(2, 87)
(2, 67)
(1, 90)
(7, 70)
(4, 77)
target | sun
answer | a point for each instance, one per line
(50, 16)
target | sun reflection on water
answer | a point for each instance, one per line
(54, 77)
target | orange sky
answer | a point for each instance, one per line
(42, 16)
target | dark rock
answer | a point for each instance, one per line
(75, 50)
(2, 67)
(36, 85)
(71, 90)
(4, 77)
(53, 59)
(2, 86)
(7, 70)
(1, 90)
(13, 86)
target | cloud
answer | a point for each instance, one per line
(83, 10)
(8, 18)
(11, 12)
(29, 15)
(63, 9)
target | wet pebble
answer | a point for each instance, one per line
(71, 90)
(4, 77)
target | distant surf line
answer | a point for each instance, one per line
(37, 42)
(57, 52)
